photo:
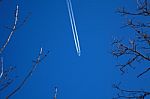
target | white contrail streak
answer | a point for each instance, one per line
(73, 26)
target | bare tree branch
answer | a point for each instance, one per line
(13, 30)
(7, 79)
(122, 49)
(130, 94)
(136, 50)
(55, 94)
(2, 68)
(144, 72)
(143, 9)
(40, 57)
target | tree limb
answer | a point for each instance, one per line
(40, 57)
(13, 30)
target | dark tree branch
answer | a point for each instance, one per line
(135, 50)
(144, 72)
(121, 49)
(130, 94)
(143, 9)
(40, 57)
(7, 79)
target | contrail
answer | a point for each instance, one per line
(73, 26)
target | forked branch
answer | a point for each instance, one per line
(40, 57)
(130, 94)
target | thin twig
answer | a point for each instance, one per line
(6, 80)
(13, 30)
(148, 69)
(2, 68)
(55, 94)
(40, 57)
(130, 94)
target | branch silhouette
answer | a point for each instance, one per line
(40, 57)
(136, 50)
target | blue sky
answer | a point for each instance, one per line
(89, 76)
